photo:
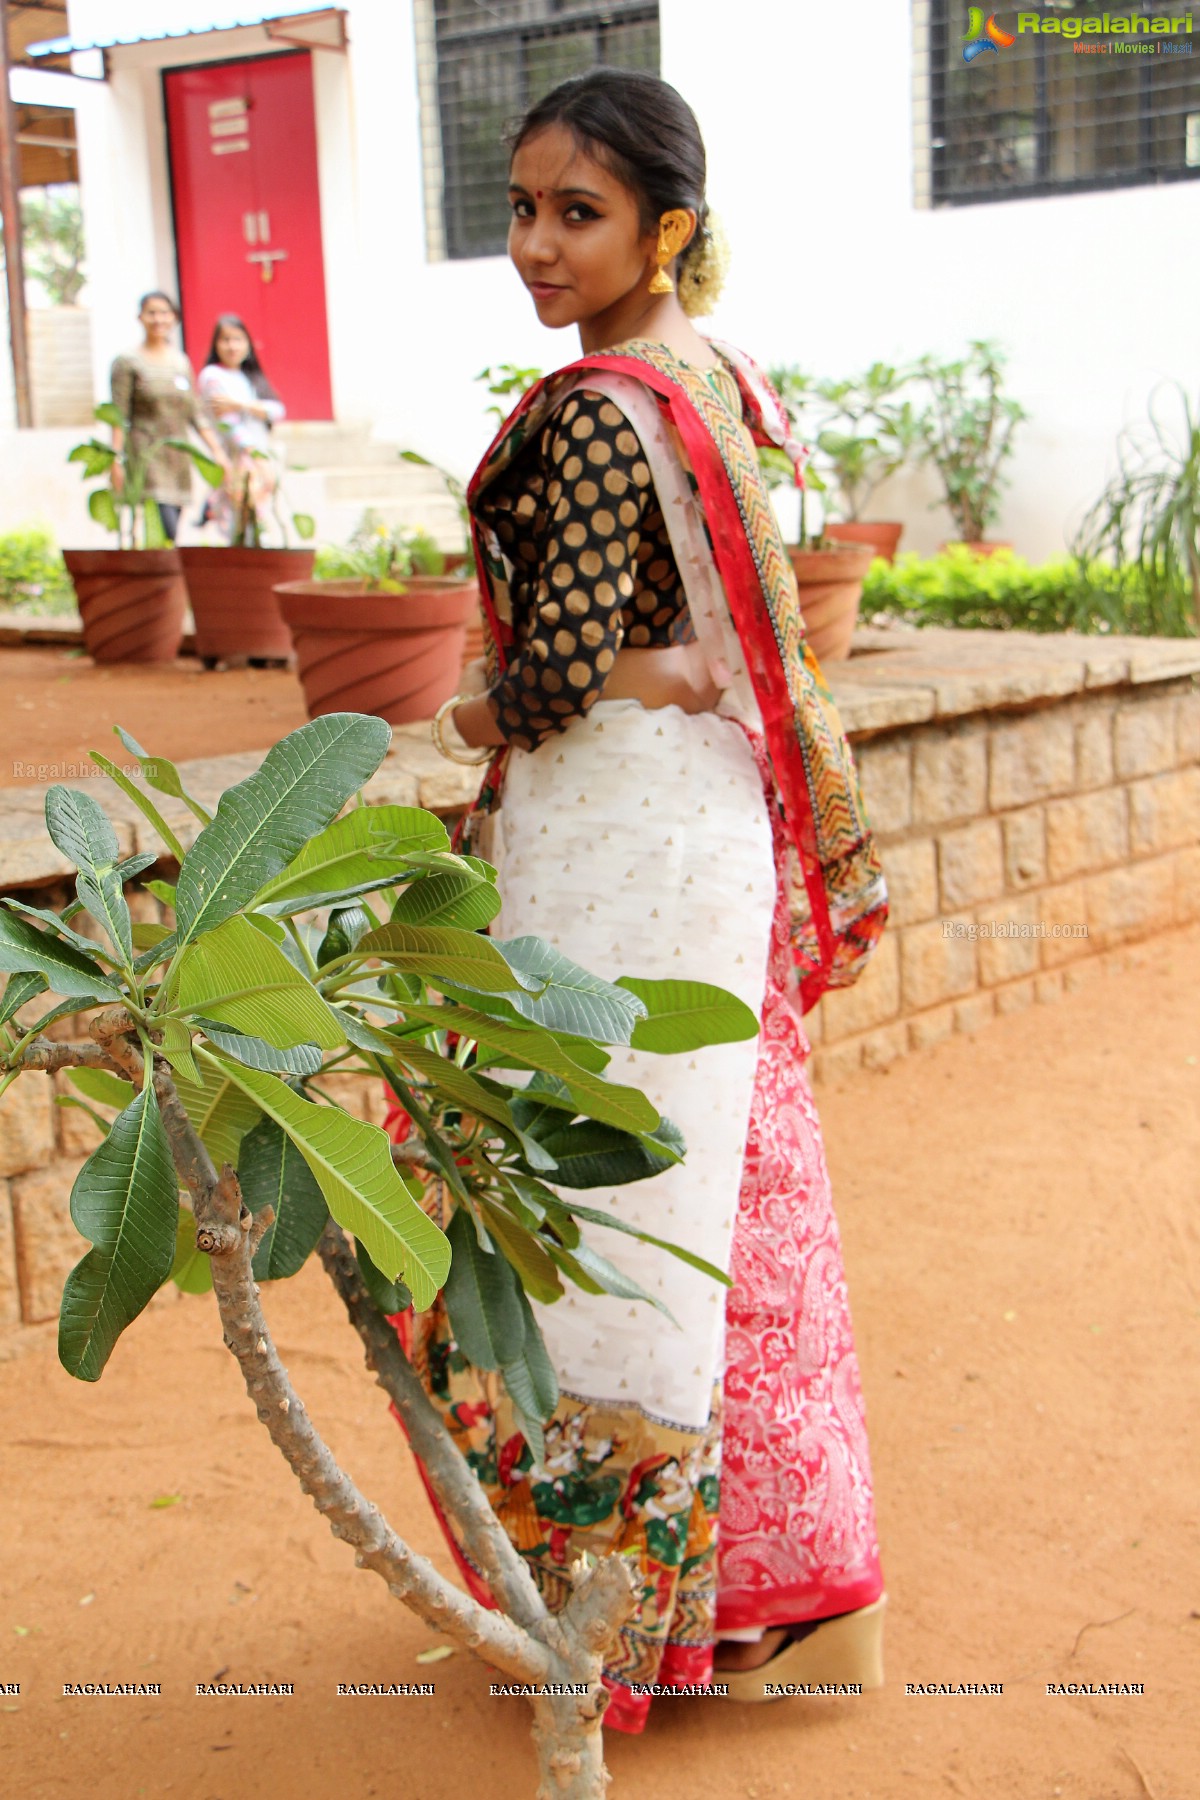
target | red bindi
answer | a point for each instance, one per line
(539, 193)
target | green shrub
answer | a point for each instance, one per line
(32, 575)
(1006, 593)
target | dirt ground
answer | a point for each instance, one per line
(1023, 1246)
(56, 705)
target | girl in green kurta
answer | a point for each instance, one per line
(155, 389)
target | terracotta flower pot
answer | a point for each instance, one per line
(132, 603)
(830, 583)
(232, 592)
(395, 655)
(883, 535)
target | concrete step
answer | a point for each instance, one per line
(393, 481)
(328, 445)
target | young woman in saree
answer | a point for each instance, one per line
(675, 799)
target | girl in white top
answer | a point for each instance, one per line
(246, 406)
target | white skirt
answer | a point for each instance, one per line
(639, 843)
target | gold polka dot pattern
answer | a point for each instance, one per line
(578, 519)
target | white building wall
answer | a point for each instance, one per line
(808, 122)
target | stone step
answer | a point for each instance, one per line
(382, 481)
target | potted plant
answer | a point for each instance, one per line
(132, 600)
(232, 586)
(829, 575)
(381, 628)
(967, 430)
(867, 435)
(1152, 506)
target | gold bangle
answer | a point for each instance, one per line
(474, 753)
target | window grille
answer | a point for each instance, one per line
(1043, 116)
(481, 64)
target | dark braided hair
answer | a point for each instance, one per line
(640, 129)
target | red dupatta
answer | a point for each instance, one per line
(838, 900)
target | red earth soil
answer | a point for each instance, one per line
(1023, 1246)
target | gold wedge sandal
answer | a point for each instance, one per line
(842, 1652)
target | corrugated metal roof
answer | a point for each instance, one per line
(146, 21)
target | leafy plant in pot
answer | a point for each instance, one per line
(967, 429)
(866, 436)
(829, 575)
(132, 600)
(232, 586)
(1152, 507)
(380, 628)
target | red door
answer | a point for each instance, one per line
(243, 148)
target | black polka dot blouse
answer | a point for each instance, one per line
(578, 520)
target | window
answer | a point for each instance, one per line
(481, 64)
(1057, 111)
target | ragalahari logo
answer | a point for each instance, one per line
(984, 35)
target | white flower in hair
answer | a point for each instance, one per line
(704, 269)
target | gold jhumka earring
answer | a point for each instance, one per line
(673, 230)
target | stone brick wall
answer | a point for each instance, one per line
(1000, 833)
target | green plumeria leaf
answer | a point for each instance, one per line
(571, 999)
(346, 925)
(132, 866)
(272, 1172)
(221, 1112)
(192, 1269)
(686, 1015)
(98, 1120)
(532, 1384)
(58, 924)
(467, 901)
(611, 1280)
(363, 1189)
(176, 1046)
(390, 1297)
(523, 1250)
(162, 775)
(24, 949)
(482, 1299)
(589, 1154)
(147, 934)
(265, 821)
(64, 1010)
(125, 1201)
(528, 1046)
(235, 976)
(103, 1087)
(84, 834)
(442, 950)
(305, 1059)
(18, 991)
(592, 1215)
(145, 806)
(160, 951)
(163, 890)
(369, 848)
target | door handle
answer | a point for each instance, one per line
(266, 260)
